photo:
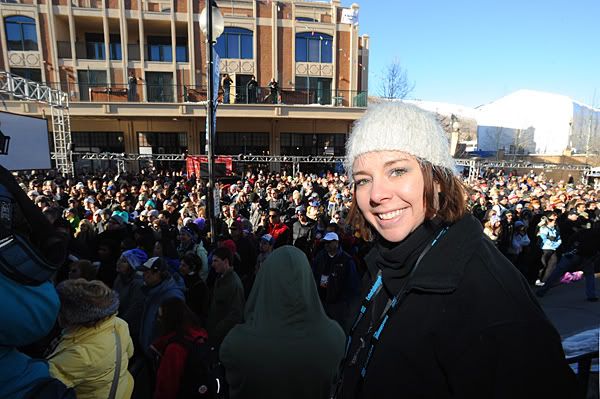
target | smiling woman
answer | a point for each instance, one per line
(468, 325)
(433, 190)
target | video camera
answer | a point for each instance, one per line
(25, 259)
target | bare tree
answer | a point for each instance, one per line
(394, 81)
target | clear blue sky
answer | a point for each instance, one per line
(472, 52)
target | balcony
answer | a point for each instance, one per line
(168, 93)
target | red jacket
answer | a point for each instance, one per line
(172, 362)
(280, 233)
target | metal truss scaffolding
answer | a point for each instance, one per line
(28, 90)
(474, 165)
(121, 158)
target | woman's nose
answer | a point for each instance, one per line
(381, 191)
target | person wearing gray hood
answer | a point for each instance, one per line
(287, 347)
(128, 285)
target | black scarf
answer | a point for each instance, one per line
(396, 260)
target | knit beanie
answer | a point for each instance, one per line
(85, 302)
(135, 257)
(189, 232)
(230, 245)
(200, 222)
(398, 126)
(124, 216)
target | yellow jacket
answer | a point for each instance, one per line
(85, 359)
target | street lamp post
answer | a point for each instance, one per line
(212, 25)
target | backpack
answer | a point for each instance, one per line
(202, 376)
(50, 388)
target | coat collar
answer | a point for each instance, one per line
(443, 267)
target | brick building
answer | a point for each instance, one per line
(135, 73)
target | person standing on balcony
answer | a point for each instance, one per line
(252, 86)
(226, 86)
(274, 87)
(132, 87)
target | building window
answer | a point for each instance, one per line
(88, 79)
(21, 34)
(115, 47)
(235, 43)
(313, 144)
(313, 47)
(162, 142)
(94, 46)
(28, 73)
(181, 49)
(306, 19)
(159, 49)
(234, 143)
(96, 142)
(318, 90)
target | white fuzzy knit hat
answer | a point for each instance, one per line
(398, 126)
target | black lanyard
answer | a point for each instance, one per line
(391, 305)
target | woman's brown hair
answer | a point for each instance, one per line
(449, 203)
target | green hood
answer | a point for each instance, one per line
(287, 347)
(284, 297)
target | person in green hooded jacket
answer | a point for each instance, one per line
(287, 347)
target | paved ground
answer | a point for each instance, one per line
(567, 308)
(571, 314)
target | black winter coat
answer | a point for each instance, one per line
(469, 328)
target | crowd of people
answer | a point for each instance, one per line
(140, 258)
(146, 238)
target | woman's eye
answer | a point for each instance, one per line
(361, 182)
(397, 172)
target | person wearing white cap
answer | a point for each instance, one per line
(337, 279)
(444, 313)
(265, 247)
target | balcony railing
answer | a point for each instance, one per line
(88, 3)
(165, 93)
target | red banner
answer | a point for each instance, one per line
(198, 165)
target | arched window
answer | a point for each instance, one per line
(313, 47)
(235, 43)
(20, 33)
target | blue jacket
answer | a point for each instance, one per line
(550, 238)
(155, 296)
(28, 313)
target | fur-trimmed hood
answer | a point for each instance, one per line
(84, 302)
